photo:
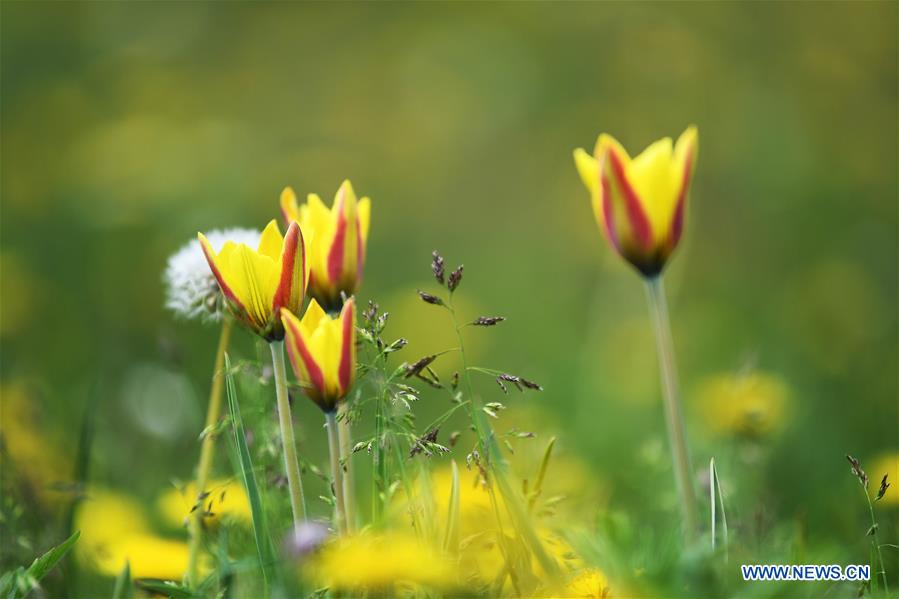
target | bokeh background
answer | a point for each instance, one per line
(126, 128)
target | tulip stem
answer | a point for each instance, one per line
(213, 411)
(345, 437)
(336, 475)
(291, 465)
(677, 437)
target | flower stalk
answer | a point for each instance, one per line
(213, 412)
(291, 465)
(345, 441)
(336, 473)
(677, 437)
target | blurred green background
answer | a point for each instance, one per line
(126, 128)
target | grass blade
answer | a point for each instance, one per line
(715, 488)
(541, 474)
(46, 562)
(451, 539)
(260, 527)
(123, 583)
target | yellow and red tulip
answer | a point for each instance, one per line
(322, 351)
(336, 238)
(258, 283)
(639, 202)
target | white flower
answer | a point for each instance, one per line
(191, 289)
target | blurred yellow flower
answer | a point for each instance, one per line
(226, 500)
(32, 451)
(589, 584)
(148, 556)
(115, 530)
(639, 202)
(750, 404)
(258, 283)
(336, 238)
(380, 562)
(322, 351)
(888, 464)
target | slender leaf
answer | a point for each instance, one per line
(260, 527)
(166, 588)
(541, 474)
(46, 562)
(123, 584)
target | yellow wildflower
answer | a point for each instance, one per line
(379, 562)
(752, 404)
(226, 500)
(589, 584)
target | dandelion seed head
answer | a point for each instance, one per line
(191, 290)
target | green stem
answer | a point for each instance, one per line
(213, 412)
(336, 475)
(345, 439)
(291, 465)
(875, 543)
(677, 438)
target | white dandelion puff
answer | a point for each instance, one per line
(191, 289)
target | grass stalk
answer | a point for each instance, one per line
(213, 412)
(291, 465)
(490, 449)
(336, 472)
(875, 544)
(677, 437)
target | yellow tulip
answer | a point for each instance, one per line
(258, 283)
(639, 202)
(322, 351)
(337, 239)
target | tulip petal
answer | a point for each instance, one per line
(613, 170)
(346, 367)
(343, 242)
(289, 208)
(292, 282)
(270, 242)
(211, 258)
(299, 353)
(685, 158)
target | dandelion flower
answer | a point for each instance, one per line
(192, 291)
(750, 405)
(115, 530)
(379, 563)
(225, 500)
(589, 584)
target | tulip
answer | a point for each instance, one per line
(322, 351)
(337, 239)
(639, 202)
(258, 283)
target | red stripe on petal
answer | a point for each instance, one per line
(637, 217)
(347, 345)
(360, 251)
(608, 214)
(226, 290)
(677, 224)
(335, 254)
(289, 293)
(297, 349)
